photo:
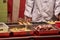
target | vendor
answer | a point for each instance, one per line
(41, 10)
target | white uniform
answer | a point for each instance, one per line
(42, 10)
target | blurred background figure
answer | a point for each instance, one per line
(15, 10)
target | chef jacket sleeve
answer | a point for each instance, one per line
(57, 7)
(28, 8)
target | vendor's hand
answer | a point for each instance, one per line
(58, 17)
(28, 19)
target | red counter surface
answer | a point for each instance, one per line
(51, 37)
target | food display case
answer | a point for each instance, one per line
(30, 30)
(20, 30)
(4, 30)
(43, 28)
(33, 28)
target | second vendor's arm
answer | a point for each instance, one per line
(57, 9)
(28, 9)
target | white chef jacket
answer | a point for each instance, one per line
(42, 10)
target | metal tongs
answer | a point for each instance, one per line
(36, 31)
